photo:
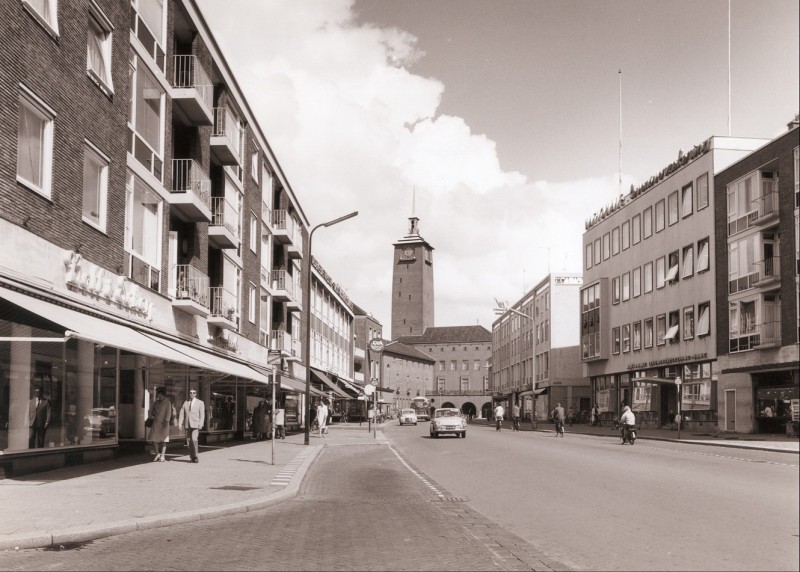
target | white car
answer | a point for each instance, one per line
(448, 420)
(408, 416)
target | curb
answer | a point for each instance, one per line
(86, 533)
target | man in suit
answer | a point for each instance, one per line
(38, 418)
(191, 419)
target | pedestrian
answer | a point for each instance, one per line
(280, 423)
(571, 416)
(259, 423)
(595, 415)
(322, 417)
(515, 416)
(499, 411)
(161, 415)
(39, 414)
(191, 420)
(558, 418)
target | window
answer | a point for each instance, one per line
(626, 286)
(647, 222)
(626, 235)
(673, 333)
(606, 246)
(686, 200)
(597, 252)
(440, 383)
(615, 341)
(648, 277)
(704, 319)
(636, 229)
(648, 333)
(441, 365)
(615, 290)
(702, 255)
(464, 383)
(252, 303)
(45, 12)
(672, 213)
(688, 261)
(98, 48)
(637, 281)
(143, 212)
(637, 336)
(688, 323)
(702, 191)
(588, 257)
(660, 272)
(146, 113)
(452, 365)
(35, 144)
(672, 272)
(476, 365)
(464, 365)
(660, 215)
(95, 186)
(253, 232)
(626, 338)
(661, 329)
(615, 241)
(151, 13)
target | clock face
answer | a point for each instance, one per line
(408, 252)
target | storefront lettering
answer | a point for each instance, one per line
(93, 280)
(667, 361)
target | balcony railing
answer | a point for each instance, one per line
(189, 177)
(224, 304)
(282, 341)
(223, 214)
(189, 74)
(769, 269)
(756, 335)
(766, 205)
(226, 125)
(742, 283)
(191, 284)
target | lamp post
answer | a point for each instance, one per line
(307, 309)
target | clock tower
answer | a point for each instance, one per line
(412, 284)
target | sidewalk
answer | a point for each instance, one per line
(81, 503)
(776, 443)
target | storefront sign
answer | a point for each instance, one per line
(93, 280)
(658, 362)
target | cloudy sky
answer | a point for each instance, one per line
(502, 116)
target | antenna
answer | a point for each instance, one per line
(729, 68)
(620, 131)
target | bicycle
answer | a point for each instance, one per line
(559, 428)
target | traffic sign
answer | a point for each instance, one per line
(678, 380)
(376, 345)
(369, 389)
(274, 357)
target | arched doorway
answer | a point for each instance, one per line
(469, 410)
(486, 411)
(448, 404)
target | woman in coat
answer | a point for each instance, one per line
(161, 412)
(260, 423)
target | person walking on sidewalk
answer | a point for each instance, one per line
(161, 415)
(191, 420)
(558, 418)
(499, 411)
(322, 418)
(39, 414)
(280, 424)
(515, 416)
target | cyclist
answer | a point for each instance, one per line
(499, 411)
(628, 422)
(558, 417)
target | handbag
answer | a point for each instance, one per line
(148, 422)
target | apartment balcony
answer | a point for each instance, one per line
(769, 272)
(265, 278)
(191, 291)
(190, 195)
(763, 210)
(283, 342)
(226, 138)
(192, 91)
(223, 231)
(756, 336)
(224, 308)
(281, 287)
(282, 226)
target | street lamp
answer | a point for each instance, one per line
(307, 308)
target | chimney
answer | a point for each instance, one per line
(794, 122)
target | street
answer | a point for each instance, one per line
(492, 501)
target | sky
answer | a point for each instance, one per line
(504, 124)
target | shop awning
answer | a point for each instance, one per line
(327, 381)
(352, 386)
(541, 391)
(290, 383)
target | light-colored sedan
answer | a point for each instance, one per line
(408, 416)
(448, 420)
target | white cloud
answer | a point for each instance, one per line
(354, 130)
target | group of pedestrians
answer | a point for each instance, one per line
(191, 419)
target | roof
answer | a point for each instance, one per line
(450, 334)
(399, 348)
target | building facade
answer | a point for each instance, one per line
(151, 237)
(757, 258)
(412, 284)
(460, 376)
(649, 292)
(536, 353)
(407, 371)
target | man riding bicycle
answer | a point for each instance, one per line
(628, 422)
(499, 411)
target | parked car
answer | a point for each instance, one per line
(102, 421)
(448, 420)
(408, 416)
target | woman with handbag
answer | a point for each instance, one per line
(161, 414)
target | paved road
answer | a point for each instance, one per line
(360, 508)
(591, 503)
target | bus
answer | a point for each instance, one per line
(422, 407)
